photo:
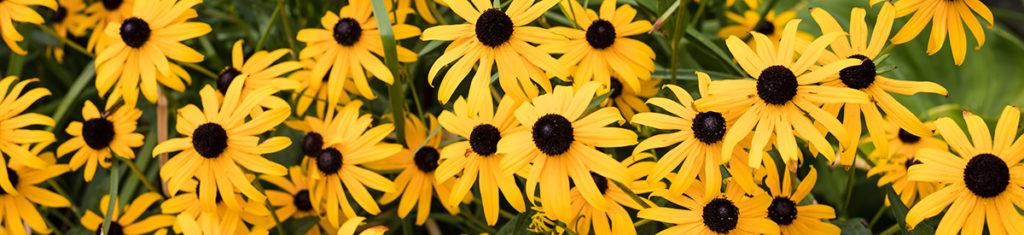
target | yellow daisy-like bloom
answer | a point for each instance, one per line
(350, 226)
(127, 221)
(20, 11)
(785, 89)
(18, 209)
(499, 38)
(12, 127)
(337, 148)
(137, 59)
(618, 200)
(478, 157)
(984, 180)
(259, 69)
(601, 49)
(102, 13)
(294, 201)
(418, 181)
(893, 165)
(68, 19)
(218, 139)
(748, 22)
(729, 212)
(191, 218)
(100, 135)
(629, 102)
(350, 43)
(698, 139)
(785, 210)
(864, 78)
(946, 17)
(560, 142)
(314, 89)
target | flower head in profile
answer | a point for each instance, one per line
(292, 200)
(728, 212)
(774, 105)
(614, 220)
(20, 11)
(490, 38)
(350, 226)
(219, 138)
(348, 46)
(785, 209)
(137, 60)
(101, 136)
(560, 139)
(750, 21)
(260, 70)
(68, 20)
(864, 77)
(892, 166)
(601, 49)
(14, 128)
(417, 183)
(192, 218)
(128, 220)
(947, 17)
(983, 178)
(19, 209)
(630, 102)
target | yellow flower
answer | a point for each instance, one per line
(100, 134)
(784, 209)
(18, 209)
(69, 18)
(191, 218)
(349, 228)
(417, 182)
(477, 156)
(946, 17)
(137, 59)
(20, 11)
(601, 49)
(729, 212)
(893, 165)
(865, 78)
(313, 89)
(698, 139)
(559, 141)
(127, 221)
(984, 180)
(748, 22)
(618, 200)
(259, 69)
(218, 139)
(499, 38)
(102, 13)
(337, 147)
(294, 201)
(349, 43)
(783, 92)
(630, 102)
(12, 127)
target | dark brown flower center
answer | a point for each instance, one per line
(301, 201)
(776, 85)
(708, 127)
(115, 229)
(426, 159)
(135, 32)
(986, 175)
(329, 161)
(312, 143)
(765, 27)
(210, 140)
(59, 15)
(98, 133)
(225, 78)
(484, 139)
(493, 27)
(859, 76)
(616, 87)
(721, 215)
(907, 137)
(601, 34)
(111, 5)
(910, 162)
(782, 211)
(347, 31)
(553, 134)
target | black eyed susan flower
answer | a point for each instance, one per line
(218, 139)
(629, 102)
(102, 13)
(946, 17)
(984, 180)
(350, 226)
(864, 77)
(68, 19)
(20, 11)
(785, 89)
(294, 201)
(417, 183)
(19, 209)
(126, 220)
(614, 220)
(785, 209)
(559, 141)
(314, 89)
(259, 69)
(13, 124)
(350, 43)
(742, 25)
(729, 212)
(191, 218)
(601, 49)
(698, 139)
(476, 160)
(892, 166)
(138, 57)
(100, 136)
(337, 148)
(495, 38)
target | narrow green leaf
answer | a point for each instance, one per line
(899, 212)
(397, 94)
(73, 94)
(113, 196)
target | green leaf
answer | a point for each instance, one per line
(517, 225)
(83, 80)
(396, 91)
(899, 211)
(854, 226)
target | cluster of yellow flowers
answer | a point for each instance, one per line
(723, 163)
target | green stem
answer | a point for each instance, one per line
(287, 26)
(60, 190)
(891, 230)
(266, 30)
(200, 69)
(142, 177)
(83, 80)
(112, 196)
(266, 202)
(849, 190)
(74, 45)
(878, 215)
